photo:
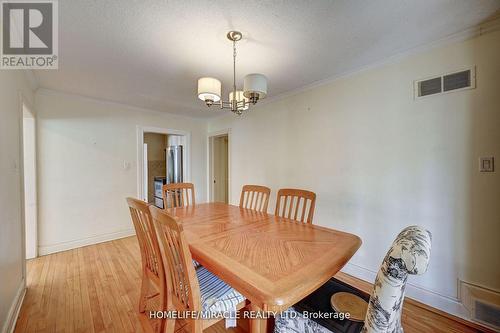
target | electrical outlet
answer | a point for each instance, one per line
(486, 164)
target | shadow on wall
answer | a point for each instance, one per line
(481, 247)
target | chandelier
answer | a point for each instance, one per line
(254, 87)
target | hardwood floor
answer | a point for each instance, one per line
(96, 289)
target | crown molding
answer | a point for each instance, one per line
(488, 26)
(52, 92)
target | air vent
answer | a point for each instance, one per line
(483, 304)
(456, 81)
(488, 314)
(460, 80)
(429, 87)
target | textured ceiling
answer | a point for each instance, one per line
(150, 53)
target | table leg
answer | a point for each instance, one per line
(257, 325)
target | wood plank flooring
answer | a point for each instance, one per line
(96, 289)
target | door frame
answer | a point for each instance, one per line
(32, 232)
(210, 190)
(140, 130)
(23, 101)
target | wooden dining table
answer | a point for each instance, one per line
(274, 262)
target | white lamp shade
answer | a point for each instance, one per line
(255, 84)
(209, 89)
(239, 98)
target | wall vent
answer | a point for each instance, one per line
(429, 87)
(483, 304)
(486, 313)
(455, 81)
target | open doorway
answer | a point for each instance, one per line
(219, 168)
(163, 157)
(155, 145)
(29, 181)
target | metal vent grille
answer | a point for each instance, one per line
(465, 79)
(456, 81)
(487, 313)
(429, 87)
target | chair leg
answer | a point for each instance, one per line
(144, 294)
(169, 326)
(257, 325)
(162, 307)
(196, 325)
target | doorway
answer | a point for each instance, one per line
(155, 145)
(29, 181)
(153, 165)
(219, 168)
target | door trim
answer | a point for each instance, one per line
(140, 130)
(226, 131)
(24, 101)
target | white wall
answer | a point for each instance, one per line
(83, 145)
(12, 82)
(379, 161)
(30, 191)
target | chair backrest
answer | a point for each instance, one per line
(148, 242)
(409, 254)
(255, 197)
(295, 204)
(178, 195)
(184, 289)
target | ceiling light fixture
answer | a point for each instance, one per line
(254, 87)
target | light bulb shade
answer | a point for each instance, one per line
(239, 98)
(209, 89)
(255, 84)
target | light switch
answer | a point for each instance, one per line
(486, 164)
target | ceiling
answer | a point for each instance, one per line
(150, 53)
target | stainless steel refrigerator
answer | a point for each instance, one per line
(174, 167)
(175, 164)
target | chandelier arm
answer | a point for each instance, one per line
(222, 104)
(226, 105)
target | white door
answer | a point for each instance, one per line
(30, 198)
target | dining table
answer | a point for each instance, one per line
(274, 262)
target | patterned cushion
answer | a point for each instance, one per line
(216, 295)
(293, 322)
(196, 264)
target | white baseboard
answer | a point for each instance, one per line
(48, 249)
(444, 303)
(10, 322)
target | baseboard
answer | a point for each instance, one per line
(444, 303)
(10, 322)
(48, 249)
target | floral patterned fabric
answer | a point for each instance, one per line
(409, 254)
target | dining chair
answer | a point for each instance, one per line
(409, 255)
(178, 195)
(153, 271)
(295, 204)
(255, 197)
(190, 290)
